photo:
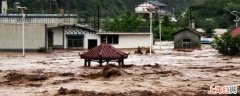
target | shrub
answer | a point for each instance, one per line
(42, 50)
(227, 45)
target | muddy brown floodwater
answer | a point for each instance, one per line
(167, 72)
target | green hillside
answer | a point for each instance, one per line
(87, 8)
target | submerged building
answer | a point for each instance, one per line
(60, 31)
(37, 29)
(187, 38)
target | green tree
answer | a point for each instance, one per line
(208, 26)
(128, 22)
(168, 28)
(218, 10)
(227, 45)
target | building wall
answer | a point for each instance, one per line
(52, 20)
(11, 36)
(132, 41)
(58, 37)
(142, 8)
(78, 31)
(90, 36)
(178, 39)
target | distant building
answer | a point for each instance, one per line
(143, 7)
(187, 38)
(217, 32)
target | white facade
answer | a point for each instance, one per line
(132, 41)
(142, 8)
(39, 36)
(125, 39)
(91, 36)
(52, 20)
(11, 36)
(58, 37)
(4, 7)
(36, 33)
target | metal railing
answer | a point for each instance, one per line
(39, 19)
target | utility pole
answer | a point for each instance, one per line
(23, 31)
(151, 41)
(237, 19)
(23, 27)
(190, 17)
(98, 26)
(160, 28)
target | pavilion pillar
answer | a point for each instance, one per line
(89, 63)
(85, 62)
(122, 62)
(107, 62)
(119, 62)
(100, 62)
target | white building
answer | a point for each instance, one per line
(80, 37)
(36, 30)
(126, 39)
(143, 7)
(61, 32)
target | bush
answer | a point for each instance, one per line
(42, 50)
(148, 51)
(139, 50)
(227, 45)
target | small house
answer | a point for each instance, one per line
(187, 38)
(143, 7)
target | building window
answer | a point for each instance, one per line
(75, 41)
(110, 39)
(187, 43)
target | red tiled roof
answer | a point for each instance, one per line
(235, 32)
(104, 51)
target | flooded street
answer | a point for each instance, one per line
(167, 72)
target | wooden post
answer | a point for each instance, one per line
(85, 62)
(119, 62)
(100, 62)
(107, 62)
(89, 63)
(122, 62)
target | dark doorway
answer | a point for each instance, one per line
(75, 41)
(92, 43)
(50, 38)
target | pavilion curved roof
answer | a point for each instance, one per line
(104, 51)
(235, 32)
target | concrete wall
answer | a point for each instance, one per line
(58, 37)
(11, 36)
(90, 36)
(178, 39)
(79, 31)
(132, 41)
(85, 42)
